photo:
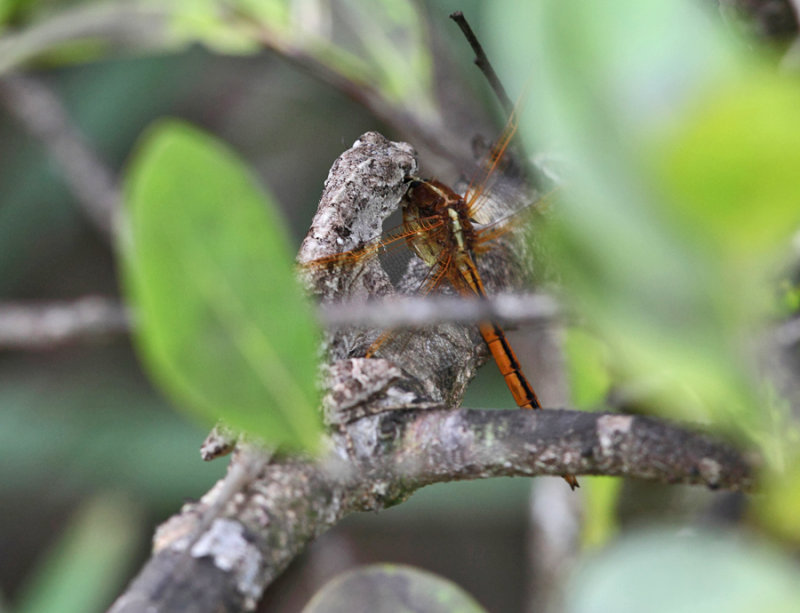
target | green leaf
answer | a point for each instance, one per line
(380, 47)
(221, 322)
(391, 588)
(394, 46)
(776, 506)
(731, 165)
(85, 567)
(679, 192)
(600, 499)
(214, 24)
(588, 375)
(788, 299)
(663, 572)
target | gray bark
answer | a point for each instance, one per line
(223, 562)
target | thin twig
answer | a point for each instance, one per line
(426, 132)
(41, 112)
(418, 311)
(44, 326)
(483, 63)
(520, 157)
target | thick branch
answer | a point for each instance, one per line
(257, 534)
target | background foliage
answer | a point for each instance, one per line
(673, 244)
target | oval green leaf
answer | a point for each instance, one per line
(664, 572)
(391, 588)
(221, 322)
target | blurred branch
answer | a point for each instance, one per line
(787, 334)
(42, 113)
(556, 517)
(127, 23)
(416, 311)
(44, 326)
(555, 527)
(227, 565)
(772, 20)
(40, 326)
(429, 133)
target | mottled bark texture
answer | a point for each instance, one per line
(223, 562)
(393, 425)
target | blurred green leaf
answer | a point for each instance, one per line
(86, 566)
(652, 104)
(664, 572)
(380, 48)
(788, 298)
(17, 9)
(211, 22)
(391, 588)
(221, 322)
(586, 368)
(776, 506)
(600, 497)
(81, 25)
(731, 165)
(392, 34)
(7, 8)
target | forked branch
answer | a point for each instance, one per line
(259, 531)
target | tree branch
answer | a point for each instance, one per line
(123, 24)
(44, 326)
(416, 311)
(255, 535)
(482, 62)
(42, 113)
